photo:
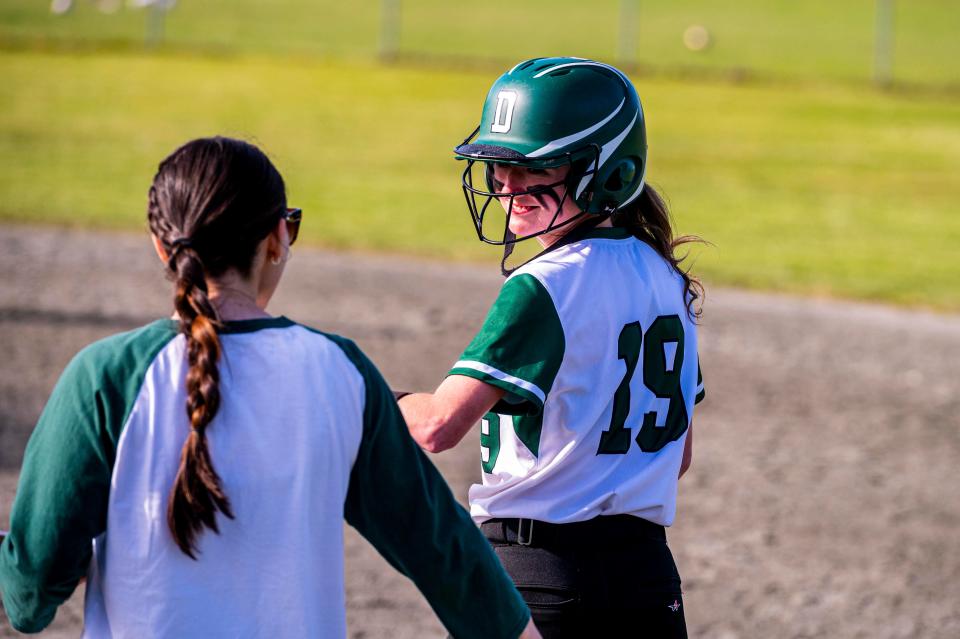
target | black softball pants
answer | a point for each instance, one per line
(606, 577)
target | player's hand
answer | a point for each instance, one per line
(530, 632)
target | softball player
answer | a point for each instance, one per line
(585, 373)
(197, 470)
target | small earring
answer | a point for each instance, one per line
(276, 260)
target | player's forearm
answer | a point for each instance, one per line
(435, 426)
(439, 420)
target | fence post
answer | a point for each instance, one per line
(156, 22)
(627, 40)
(883, 46)
(389, 29)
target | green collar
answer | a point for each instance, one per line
(607, 233)
(246, 326)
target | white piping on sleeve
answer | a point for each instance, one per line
(498, 374)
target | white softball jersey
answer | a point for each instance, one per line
(594, 345)
(307, 434)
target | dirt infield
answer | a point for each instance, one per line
(822, 502)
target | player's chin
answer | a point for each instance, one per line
(522, 227)
(525, 221)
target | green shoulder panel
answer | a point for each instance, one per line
(520, 346)
(401, 504)
(62, 496)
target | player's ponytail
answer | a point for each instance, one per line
(212, 202)
(197, 492)
(648, 219)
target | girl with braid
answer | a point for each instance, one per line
(196, 471)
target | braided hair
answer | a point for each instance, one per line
(212, 202)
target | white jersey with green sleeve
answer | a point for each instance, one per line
(594, 346)
(308, 434)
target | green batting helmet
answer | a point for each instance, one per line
(548, 112)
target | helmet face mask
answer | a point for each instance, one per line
(552, 112)
(482, 189)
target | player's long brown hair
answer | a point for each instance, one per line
(648, 219)
(212, 202)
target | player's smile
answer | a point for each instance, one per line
(521, 209)
(531, 213)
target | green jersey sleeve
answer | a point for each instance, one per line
(401, 504)
(519, 348)
(64, 486)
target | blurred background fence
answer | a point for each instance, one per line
(907, 42)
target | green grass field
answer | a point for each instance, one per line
(821, 189)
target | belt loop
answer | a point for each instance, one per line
(524, 539)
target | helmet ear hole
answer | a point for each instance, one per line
(614, 182)
(621, 177)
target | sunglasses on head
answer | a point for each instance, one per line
(292, 217)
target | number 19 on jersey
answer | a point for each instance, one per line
(662, 364)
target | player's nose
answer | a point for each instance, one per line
(513, 179)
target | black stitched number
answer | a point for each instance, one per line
(662, 364)
(489, 441)
(616, 439)
(662, 377)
